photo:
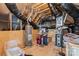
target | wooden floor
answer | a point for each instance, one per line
(36, 50)
(49, 50)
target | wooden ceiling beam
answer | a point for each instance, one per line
(37, 5)
(44, 10)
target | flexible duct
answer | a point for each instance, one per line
(71, 9)
(13, 8)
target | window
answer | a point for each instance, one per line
(16, 23)
(9, 22)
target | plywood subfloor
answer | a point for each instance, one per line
(36, 50)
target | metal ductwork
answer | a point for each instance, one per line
(13, 8)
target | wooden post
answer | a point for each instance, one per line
(10, 17)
